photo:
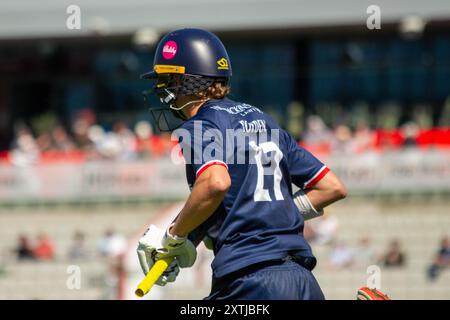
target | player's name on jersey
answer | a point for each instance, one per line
(253, 126)
(203, 144)
(241, 109)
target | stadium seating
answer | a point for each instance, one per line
(418, 223)
(47, 279)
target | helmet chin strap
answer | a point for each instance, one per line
(171, 106)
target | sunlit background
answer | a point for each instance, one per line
(84, 170)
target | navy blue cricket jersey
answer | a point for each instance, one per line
(257, 220)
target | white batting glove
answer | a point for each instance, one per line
(181, 248)
(147, 251)
(305, 207)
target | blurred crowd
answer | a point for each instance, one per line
(86, 139)
(43, 249)
(345, 256)
(110, 245)
(331, 129)
(106, 250)
(321, 139)
(441, 260)
(323, 231)
(360, 127)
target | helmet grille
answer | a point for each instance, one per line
(193, 84)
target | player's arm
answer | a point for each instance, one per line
(207, 194)
(319, 186)
(326, 191)
(311, 200)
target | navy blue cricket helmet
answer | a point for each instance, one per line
(193, 52)
(187, 61)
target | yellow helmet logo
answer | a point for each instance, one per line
(222, 64)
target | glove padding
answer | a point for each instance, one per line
(147, 250)
(305, 207)
(208, 242)
(181, 248)
(366, 293)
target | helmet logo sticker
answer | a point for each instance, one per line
(222, 64)
(169, 50)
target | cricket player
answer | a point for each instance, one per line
(240, 166)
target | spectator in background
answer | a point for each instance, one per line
(24, 250)
(364, 253)
(77, 250)
(118, 144)
(96, 134)
(441, 261)
(127, 141)
(322, 230)
(111, 245)
(317, 132)
(341, 257)
(55, 140)
(410, 131)
(147, 142)
(363, 139)
(80, 128)
(44, 249)
(395, 256)
(342, 142)
(25, 150)
(107, 144)
(61, 139)
(44, 142)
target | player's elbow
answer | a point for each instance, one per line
(339, 190)
(331, 188)
(219, 185)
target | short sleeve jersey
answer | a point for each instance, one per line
(257, 220)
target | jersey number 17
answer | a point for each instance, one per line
(261, 156)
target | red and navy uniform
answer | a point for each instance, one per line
(257, 230)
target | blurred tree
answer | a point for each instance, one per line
(295, 111)
(360, 114)
(423, 116)
(44, 122)
(388, 116)
(444, 120)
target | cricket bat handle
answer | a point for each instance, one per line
(152, 276)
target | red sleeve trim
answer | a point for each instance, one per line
(209, 164)
(317, 177)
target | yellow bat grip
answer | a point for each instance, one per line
(157, 270)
